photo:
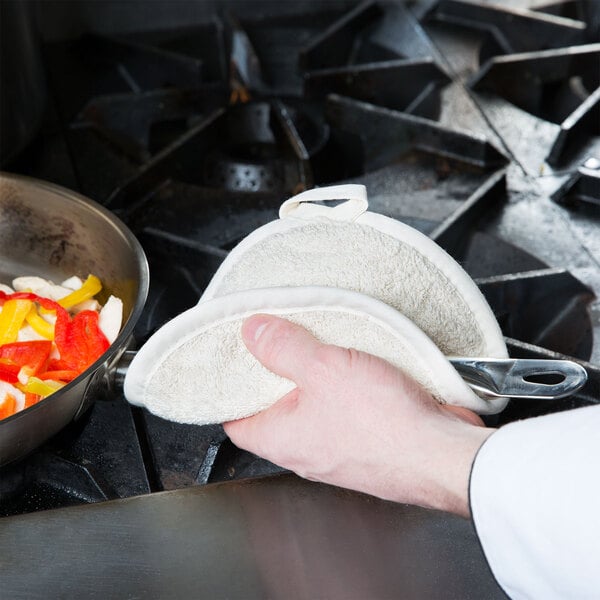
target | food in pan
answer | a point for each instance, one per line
(49, 334)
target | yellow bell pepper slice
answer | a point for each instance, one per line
(39, 324)
(11, 319)
(42, 388)
(91, 286)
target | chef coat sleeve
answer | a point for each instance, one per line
(535, 502)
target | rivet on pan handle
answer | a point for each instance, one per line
(521, 378)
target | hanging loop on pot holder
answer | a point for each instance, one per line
(355, 204)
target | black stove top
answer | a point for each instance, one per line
(474, 123)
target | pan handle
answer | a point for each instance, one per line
(521, 378)
(116, 372)
(509, 377)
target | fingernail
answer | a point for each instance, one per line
(254, 327)
(258, 331)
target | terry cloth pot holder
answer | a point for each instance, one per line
(347, 247)
(196, 368)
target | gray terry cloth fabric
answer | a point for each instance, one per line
(196, 369)
(376, 256)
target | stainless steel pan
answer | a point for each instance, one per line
(52, 232)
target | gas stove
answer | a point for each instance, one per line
(475, 123)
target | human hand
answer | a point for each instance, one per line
(356, 421)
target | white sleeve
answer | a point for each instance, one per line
(535, 501)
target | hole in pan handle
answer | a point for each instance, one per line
(521, 378)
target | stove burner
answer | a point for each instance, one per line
(251, 147)
(229, 174)
(251, 159)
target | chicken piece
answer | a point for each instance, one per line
(111, 318)
(41, 287)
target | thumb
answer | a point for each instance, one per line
(282, 347)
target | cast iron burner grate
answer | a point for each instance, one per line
(453, 117)
(543, 62)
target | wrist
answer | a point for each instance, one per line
(455, 450)
(429, 466)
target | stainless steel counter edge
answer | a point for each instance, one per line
(272, 537)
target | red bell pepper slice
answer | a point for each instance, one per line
(80, 341)
(9, 372)
(16, 355)
(58, 375)
(33, 354)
